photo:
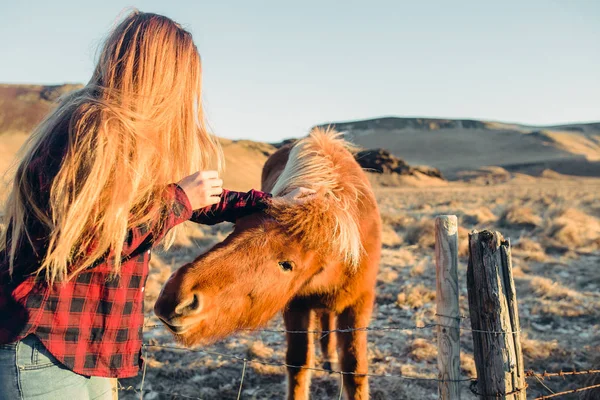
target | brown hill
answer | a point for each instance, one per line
(459, 145)
(22, 107)
(244, 160)
(451, 147)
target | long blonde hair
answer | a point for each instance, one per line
(137, 126)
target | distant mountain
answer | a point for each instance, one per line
(452, 146)
(455, 145)
(22, 107)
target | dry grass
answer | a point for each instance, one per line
(397, 221)
(538, 349)
(557, 313)
(546, 288)
(387, 275)
(389, 237)
(398, 258)
(419, 268)
(423, 350)
(463, 242)
(479, 216)
(530, 250)
(415, 296)
(554, 299)
(467, 364)
(188, 235)
(573, 228)
(528, 246)
(520, 217)
(260, 350)
(422, 234)
(9, 145)
(593, 348)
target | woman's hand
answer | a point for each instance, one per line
(202, 188)
(300, 195)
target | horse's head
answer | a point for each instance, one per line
(244, 281)
(241, 283)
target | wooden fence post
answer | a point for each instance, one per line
(493, 309)
(446, 300)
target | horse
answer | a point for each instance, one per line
(316, 261)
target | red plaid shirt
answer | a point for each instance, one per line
(93, 323)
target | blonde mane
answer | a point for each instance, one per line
(330, 223)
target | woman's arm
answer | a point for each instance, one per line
(232, 205)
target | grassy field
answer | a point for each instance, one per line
(554, 227)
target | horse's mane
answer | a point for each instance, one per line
(329, 223)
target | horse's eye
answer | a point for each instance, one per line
(286, 265)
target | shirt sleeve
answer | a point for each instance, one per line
(233, 205)
(178, 210)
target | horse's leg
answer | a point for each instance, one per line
(328, 342)
(300, 351)
(353, 347)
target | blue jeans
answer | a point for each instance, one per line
(29, 372)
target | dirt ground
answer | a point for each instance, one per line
(554, 227)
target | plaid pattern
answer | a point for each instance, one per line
(93, 323)
(233, 205)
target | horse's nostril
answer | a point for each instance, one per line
(191, 305)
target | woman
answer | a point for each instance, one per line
(93, 194)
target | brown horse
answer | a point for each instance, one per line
(316, 261)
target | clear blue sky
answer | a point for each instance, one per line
(273, 69)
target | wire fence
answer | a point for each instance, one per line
(390, 328)
(538, 376)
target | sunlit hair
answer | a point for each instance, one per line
(323, 162)
(134, 128)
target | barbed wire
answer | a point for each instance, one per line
(473, 381)
(539, 377)
(341, 330)
(473, 385)
(550, 396)
(174, 394)
(545, 374)
(247, 360)
(361, 329)
(141, 391)
(541, 382)
(272, 363)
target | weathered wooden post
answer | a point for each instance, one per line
(446, 300)
(494, 318)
